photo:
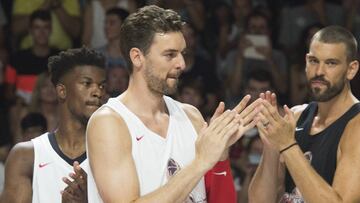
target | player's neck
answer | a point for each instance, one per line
(141, 100)
(331, 110)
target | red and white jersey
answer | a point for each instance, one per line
(156, 158)
(50, 166)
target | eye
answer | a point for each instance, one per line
(313, 61)
(331, 63)
(86, 83)
(170, 55)
(102, 86)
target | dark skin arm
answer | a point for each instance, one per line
(18, 174)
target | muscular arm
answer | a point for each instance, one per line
(18, 174)
(103, 143)
(267, 184)
(346, 184)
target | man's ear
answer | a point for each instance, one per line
(137, 58)
(352, 70)
(61, 91)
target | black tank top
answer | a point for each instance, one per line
(320, 149)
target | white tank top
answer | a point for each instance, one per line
(157, 158)
(49, 169)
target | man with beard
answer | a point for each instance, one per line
(34, 169)
(312, 155)
(145, 146)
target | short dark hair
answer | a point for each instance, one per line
(33, 119)
(122, 14)
(44, 15)
(65, 61)
(139, 28)
(254, 14)
(337, 34)
(260, 74)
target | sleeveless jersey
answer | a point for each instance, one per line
(50, 166)
(320, 149)
(156, 158)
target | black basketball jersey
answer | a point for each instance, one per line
(320, 149)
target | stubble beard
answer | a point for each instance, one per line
(157, 84)
(329, 93)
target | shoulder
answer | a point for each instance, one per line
(351, 135)
(21, 158)
(105, 121)
(105, 114)
(194, 115)
(298, 109)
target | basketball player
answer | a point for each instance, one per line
(321, 155)
(144, 146)
(34, 169)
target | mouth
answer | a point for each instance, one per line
(93, 103)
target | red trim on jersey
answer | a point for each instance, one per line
(219, 184)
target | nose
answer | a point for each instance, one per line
(320, 69)
(181, 62)
(97, 91)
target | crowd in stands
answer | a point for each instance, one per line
(234, 48)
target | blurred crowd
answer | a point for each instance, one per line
(234, 48)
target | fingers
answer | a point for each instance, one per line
(242, 104)
(250, 108)
(270, 111)
(219, 110)
(225, 121)
(80, 176)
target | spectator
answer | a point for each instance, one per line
(294, 20)
(249, 55)
(200, 67)
(94, 20)
(114, 18)
(33, 125)
(65, 21)
(117, 79)
(44, 101)
(25, 65)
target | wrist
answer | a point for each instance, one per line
(284, 149)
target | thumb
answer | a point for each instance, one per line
(289, 114)
(219, 110)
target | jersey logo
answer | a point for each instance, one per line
(298, 129)
(139, 138)
(220, 173)
(42, 165)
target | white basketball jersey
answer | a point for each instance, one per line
(156, 158)
(49, 169)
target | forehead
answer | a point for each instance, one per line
(38, 22)
(258, 84)
(168, 41)
(323, 50)
(86, 71)
(112, 17)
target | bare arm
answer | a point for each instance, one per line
(18, 174)
(70, 23)
(20, 24)
(103, 143)
(87, 29)
(346, 184)
(267, 184)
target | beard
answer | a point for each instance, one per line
(157, 84)
(330, 92)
